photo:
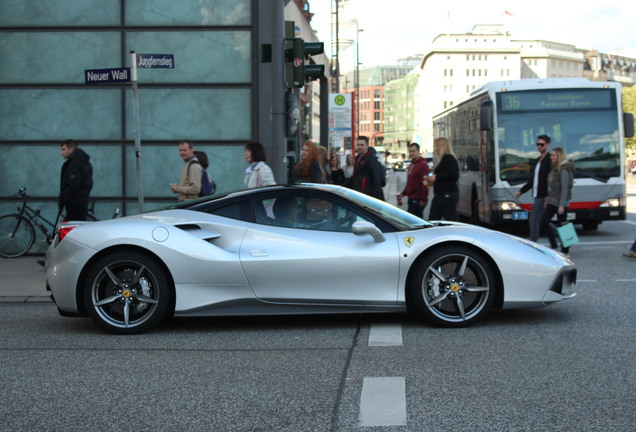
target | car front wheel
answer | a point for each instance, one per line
(453, 287)
(127, 293)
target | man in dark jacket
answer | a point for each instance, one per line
(76, 182)
(538, 182)
(415, 189)
(368, 173)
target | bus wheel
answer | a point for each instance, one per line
(590, 226)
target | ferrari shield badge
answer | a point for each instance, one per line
(408, 241)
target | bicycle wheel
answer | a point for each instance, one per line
(16, 235)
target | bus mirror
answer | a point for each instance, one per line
(628, 124)
(485, 116)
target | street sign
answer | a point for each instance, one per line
(106, 76)
(340, 114)
(155, 61)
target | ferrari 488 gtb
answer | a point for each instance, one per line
(299, 249)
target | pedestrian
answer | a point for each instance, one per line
(309, 169)
(190, 181)
(336, 173)
(324, 162)
(368, 172)
(76, 181)
(560, 182)
(444, 181)
(415, 189)
(258, 173)
(631, 253)
(349, 166)
(538, 182)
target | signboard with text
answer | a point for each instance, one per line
(340, 116)
(155, 61)
(107, 76)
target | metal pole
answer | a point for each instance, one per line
(357, 81)
(135, 103)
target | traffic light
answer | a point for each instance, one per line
(297, 71)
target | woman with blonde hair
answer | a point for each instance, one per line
(444, 181)
(349, 165)
(560, 182)
(309, 169)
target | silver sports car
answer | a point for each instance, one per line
(301, 249)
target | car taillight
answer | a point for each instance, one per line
(62, 231)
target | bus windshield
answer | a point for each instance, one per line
(589, 134)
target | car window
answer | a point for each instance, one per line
(306, 212)
(231, 211)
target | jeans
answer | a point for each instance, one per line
(550, 211)
(414, 207)
(538, 207)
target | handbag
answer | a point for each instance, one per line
(567, 235)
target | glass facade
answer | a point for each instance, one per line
(209, 96)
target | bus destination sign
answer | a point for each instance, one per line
(547, 100)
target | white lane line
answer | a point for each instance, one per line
(625, 280)
(385, 335)
(383, 401)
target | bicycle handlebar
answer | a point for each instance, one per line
(21, 193)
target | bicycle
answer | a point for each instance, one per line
(17, 231)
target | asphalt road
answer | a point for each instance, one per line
(567, 367)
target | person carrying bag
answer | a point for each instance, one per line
(560, 182)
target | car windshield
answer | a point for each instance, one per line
(395, 216)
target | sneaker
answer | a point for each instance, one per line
(630, 254)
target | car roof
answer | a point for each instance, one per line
(246, 193)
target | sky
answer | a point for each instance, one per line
(393, 29)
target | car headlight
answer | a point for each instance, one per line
(506, 206)
(614, 202)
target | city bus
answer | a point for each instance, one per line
(494, 136)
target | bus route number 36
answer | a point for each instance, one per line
(512, 102)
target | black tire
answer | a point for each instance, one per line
(17, 235)
(453, 287)
(128, 292)
(590, 226)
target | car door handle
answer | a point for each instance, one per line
(258, 253)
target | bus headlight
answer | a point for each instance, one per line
(614, 202)
(506, 206)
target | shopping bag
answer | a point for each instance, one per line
(567, 235)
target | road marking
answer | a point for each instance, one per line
(625, 280)
(596, 243)
(385, 335)
(383, 401)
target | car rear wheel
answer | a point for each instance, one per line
(453, 287)
(127, 292)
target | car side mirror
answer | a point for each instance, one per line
(361, 228)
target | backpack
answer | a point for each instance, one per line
(208, 187)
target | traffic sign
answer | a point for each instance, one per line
(155, 61)
(106, 76)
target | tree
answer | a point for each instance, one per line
(629, 105)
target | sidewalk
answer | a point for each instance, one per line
(22, 280)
